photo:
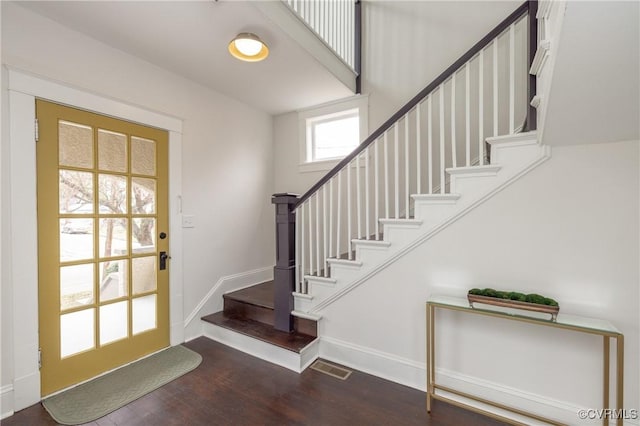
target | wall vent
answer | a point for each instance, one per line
(331, 369)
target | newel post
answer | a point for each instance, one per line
(284, 271)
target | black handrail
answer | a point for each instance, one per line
(523, 9)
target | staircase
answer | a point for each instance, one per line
(512, 156)
(453, 146)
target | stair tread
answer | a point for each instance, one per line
(294, 341)
(258, 295)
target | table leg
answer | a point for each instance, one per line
(430, 354)
(605, 378)
(620, 376)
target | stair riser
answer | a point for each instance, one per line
(399, 235)
(433, 214)
(304, 304)
(348, 273)
(320, 293)
(369, 255)
(248, 311)
(476, 185)
(296, 362)
(303, 325)
(514, 158)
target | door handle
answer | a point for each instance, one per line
(163, 260)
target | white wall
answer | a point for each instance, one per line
(406, 44)
(227, 159)
(568, 230)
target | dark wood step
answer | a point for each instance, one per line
(258, 295)
(256, 303)
(294, 341)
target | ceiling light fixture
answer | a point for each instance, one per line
(248, 47)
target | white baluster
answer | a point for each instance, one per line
(495, 87)
(429, 145)
(300, 250)
(358, 197)
(481, 108)
(339, 214)
(367, 231)
(406, 163)
(324, 231)
(512, 78)
(331, 214)
(442, 165)
(377, 188)
(467, 114)
(318, 253)
(396, 170)
(387, 201)
(454, 157)
(418, 171)
(349, 166)
(310, 238)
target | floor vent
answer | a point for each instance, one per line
(331, 369)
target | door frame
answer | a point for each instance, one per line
(23, 89)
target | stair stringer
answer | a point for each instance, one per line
(517, 154)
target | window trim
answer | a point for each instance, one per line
(320, 113)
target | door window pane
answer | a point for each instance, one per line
(113, 237)
(113, 322)
(76, 239)
(113, 194)
(76, 192)
(143, 196)
(144, 313)
(76, 332)
(143, 156)
(144, 274)
(112, 151)
(144, 235)
(114, 279)
(76, 145)
(76, 286)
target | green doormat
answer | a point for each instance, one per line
(99, 397)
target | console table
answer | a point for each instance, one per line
(563, 321)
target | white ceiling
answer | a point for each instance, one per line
(190, 38)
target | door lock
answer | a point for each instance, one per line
(163, 260)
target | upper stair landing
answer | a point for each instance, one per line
(342, 62)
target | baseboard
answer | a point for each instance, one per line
(413, 374)
(274, 354)
(26, 391)
(377, 363)
(212, 301)
(6, 401)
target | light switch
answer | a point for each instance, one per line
(188, 221)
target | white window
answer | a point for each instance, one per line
(330, 132)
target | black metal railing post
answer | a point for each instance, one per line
(532, 116)
(284, 271)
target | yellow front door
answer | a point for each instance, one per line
(102, 243)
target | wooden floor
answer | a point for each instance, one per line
(232, 388)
